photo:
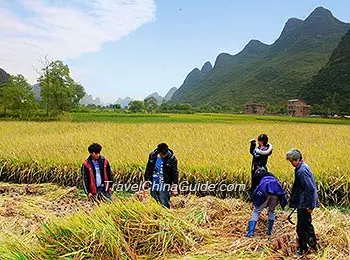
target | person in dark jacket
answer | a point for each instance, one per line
(97, 175)
(304, 198)
(260, 155)
(267, 194)
(162, 173)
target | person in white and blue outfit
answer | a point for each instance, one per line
(260, 153)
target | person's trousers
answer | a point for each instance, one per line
(270, 202)
(162, 196)
(102, 194)
(305, 230)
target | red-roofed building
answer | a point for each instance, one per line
(297, 107)
(254, 109)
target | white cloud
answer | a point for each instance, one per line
(32, 29)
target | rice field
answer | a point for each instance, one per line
(34, 152)
(50, 222)
(47, 221)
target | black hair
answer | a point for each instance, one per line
(263, 138)
(95, 148)
(261, 172)
(162, 148)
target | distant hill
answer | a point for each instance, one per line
(330, 88)
(123, 102)
(170, 94)
(37, 92)
(191, 85)
(157, 97)
(4, 76)
(89, 100)
(266, 73)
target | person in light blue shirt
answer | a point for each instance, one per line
(97, 175)
(162, 173)
(158, 177)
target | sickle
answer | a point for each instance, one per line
(289, 218)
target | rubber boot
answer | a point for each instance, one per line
(251, 228)
(299, 254)
(269, 228)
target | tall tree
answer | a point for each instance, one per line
(136, 106)
(59, 92)
(79, 93)
(16, 95)
(151, 104)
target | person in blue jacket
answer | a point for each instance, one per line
(267, 194)
(304, 198)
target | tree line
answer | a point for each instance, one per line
(150, 105)
(59, 93)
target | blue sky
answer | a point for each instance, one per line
(119, 48)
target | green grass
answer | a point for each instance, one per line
(196, 118)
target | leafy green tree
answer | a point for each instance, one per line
(165, 107)
(150, 104)
(183, 107)
(205, 108)
(17, 96)
(114, 106)
(79, 93)
(59, 92)
(226, 108)
(136, 106)
(117, 106)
